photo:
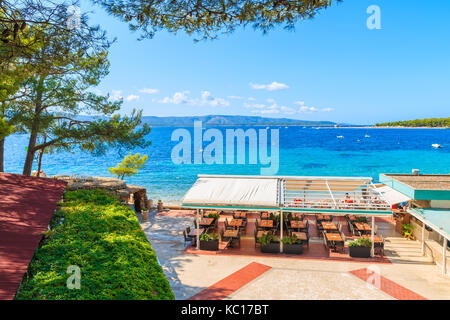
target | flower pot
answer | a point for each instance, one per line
(293, 248)
(211, 245)
(150, 204)
(160, 206)
(273, 247)
(144, 215)
(359, 252)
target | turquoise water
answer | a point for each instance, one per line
(302, 152)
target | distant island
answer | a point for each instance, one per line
(430, 123)
(230, 120)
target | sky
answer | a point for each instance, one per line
(332, 67)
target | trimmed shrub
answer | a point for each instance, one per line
(94, 231)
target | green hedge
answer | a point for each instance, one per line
(92, 230)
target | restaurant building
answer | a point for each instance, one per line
(428, 211)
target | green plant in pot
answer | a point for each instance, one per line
(213, 215)
(408, 231)
(144, 212)
(360, 248)
(209, 241)
(292, 245)
(361, 219)
(268, 243)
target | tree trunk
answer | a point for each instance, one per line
(30, 154)
(41, 153)
(2, 150)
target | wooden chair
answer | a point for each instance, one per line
(325, 241)
(319, 227)
(379, 247)
(257, 226)
(186, 237)
(306, 228)
(213, 226)
(227, 226)
(243, 226)
(256, 238)
(340, 247)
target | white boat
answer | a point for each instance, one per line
(366, 136)
(340, 137)
(436, 145)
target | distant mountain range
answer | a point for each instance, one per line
(226, 120)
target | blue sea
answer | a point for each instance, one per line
(303, 151)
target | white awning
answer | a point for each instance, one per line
(392, 196)
(233, 192)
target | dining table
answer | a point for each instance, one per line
(376, 239)
(240, 215)
(328, 226)
(322, 217)
(195, 232)
(363, 227)
(297, 224)
(297, 215)
(266, 224)
(231, 233)
(206, 221)
(300, 235)
(265, 215)
(236, 223)
(334, 237)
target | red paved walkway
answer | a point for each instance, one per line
(388, 286)
(233, 282)
(26, 207)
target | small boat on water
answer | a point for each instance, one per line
(340, 137)
(366, 136)
(436, 145)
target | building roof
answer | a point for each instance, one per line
(27, 205)
(438, 219)
(424, 181)
(419, 187)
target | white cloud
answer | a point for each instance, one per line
(149, 90)
(308, 109)
(236, 97)
(132, 97)
(274, 86)
(115, 95)
(272, 108)
(206, 99)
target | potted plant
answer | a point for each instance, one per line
(292, 245)
(360, 248)
(209, 242)
(160, 206)
(213, 215)
(361, 219)
(268, 243)
(144, 212)
(408, 231)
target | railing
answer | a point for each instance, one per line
(332, 194)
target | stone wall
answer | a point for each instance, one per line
(119, 187)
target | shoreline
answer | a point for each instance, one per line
(384, 127)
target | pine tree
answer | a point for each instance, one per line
(129, 166)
